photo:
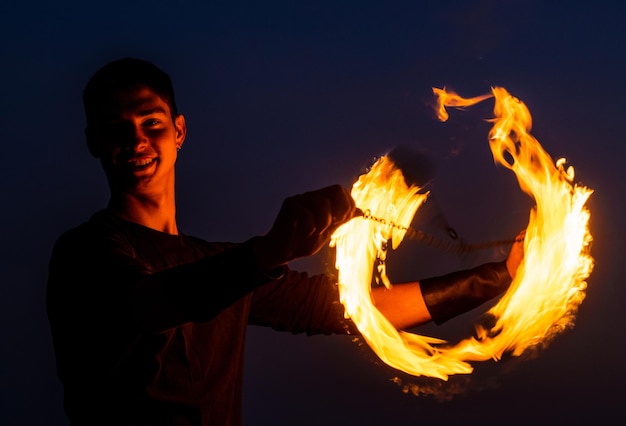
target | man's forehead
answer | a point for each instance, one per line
(133, 102)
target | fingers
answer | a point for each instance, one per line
(327, 208)
(334, 200)
(306, 221)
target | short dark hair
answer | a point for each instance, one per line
(123, 75)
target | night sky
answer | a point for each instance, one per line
(286, 97)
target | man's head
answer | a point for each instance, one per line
(133, 125)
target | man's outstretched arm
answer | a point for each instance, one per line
(440, 298)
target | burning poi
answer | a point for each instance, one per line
(549, 285)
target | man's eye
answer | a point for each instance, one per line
(151, 122)
(115, 129)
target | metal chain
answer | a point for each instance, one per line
(458, 246)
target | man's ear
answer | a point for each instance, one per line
(181, 130)
(91, 142)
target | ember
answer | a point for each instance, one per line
(550, 283)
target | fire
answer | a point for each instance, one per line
(450, 98)
(550, 283)
(384, 194)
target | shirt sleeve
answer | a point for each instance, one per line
(300, 303)
(98, 279)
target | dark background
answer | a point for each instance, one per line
(286, 97)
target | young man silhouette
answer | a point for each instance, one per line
(149, 323)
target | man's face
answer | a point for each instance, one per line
(136, 139)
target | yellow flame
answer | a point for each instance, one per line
(550, 283)
(450, 98)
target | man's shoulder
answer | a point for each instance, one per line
(105, 230)
(101, 227)
(99, 223)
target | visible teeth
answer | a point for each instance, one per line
(141, 162)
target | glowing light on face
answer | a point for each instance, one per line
(549, 285)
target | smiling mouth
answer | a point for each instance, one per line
(140, 163)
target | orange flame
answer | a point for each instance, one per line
(450, 98)
(550, 283)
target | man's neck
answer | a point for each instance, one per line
(156, 212)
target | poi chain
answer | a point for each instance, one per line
(457, 246)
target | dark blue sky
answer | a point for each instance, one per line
(286, 97)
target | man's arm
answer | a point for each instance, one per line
(441, 298)
(97, 281)
(403, 304)
(98, 277)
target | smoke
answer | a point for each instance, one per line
(485, 377)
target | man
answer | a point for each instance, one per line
(148, 323)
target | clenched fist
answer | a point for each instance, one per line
(304, 225)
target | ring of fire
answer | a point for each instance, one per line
(549, 285)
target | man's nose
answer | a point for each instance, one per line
(136, 136)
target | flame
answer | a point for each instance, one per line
(549, 285)
(450, 98)
(384, 193)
